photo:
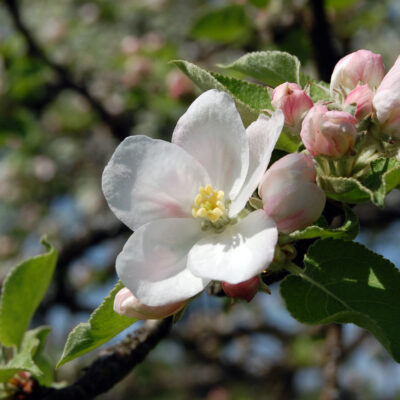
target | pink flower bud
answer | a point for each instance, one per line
(387, 101)
(328, 133)
(289, 194)
(244, 290)
(362, 66)
(125, 303)
(293, 101)
(361, 96)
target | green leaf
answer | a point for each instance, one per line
(270, 67)
(23, 290)
(25, 360)
(223, 25)
(348, 231)
(102, 326)
(345, 282)
(383, 176)
(319, 91)
(250, 98)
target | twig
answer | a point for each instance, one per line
(325, 52)
(119, 125)
(114, 363)
(333, 349)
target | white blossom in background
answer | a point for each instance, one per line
(185, 202)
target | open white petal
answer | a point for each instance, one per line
(238, 253)
(152, 264)
(212, 132)
(262, 136)
(149, 179)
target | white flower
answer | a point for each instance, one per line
(183, 198)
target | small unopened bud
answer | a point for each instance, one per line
(294, 102)
(387, 102)
(328, 133)
(289, 193)
(362, 66)
(245, 290)
(125, 303)
(362, 96)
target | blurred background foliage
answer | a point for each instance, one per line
(76, 77)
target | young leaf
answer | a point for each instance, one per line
(382, 178)
(270, 67)
(348, 231)
(319, 91)
(102, 326)
(23, 290)
(250, 98)
(25, 359)
(233, 19)
(345, 282)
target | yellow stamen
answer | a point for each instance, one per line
(208, 204)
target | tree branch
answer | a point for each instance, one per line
(325, 52)
(333, 351)
(114, 363)
(119, 125)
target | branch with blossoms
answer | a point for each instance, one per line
(210, 209)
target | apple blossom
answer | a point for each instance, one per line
(362, 66)
(387, 101)
(289, 192)
(244, 290)
(293, 101)
(328, 133)
(184, 200)
(125, 303)
(362, 96)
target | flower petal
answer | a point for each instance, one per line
(152, 264)
(149, 179)
(237, 254)
(212, 132)
(262, 136)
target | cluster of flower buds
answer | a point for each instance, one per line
(360, 91)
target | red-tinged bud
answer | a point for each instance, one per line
(244, 290)
(294, 102)
(328, 133)
(289, 193)
(125, 303)
(362, 96)
(387, 102)
(362, 66)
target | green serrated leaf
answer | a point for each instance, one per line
(224, 25)
(25, 360)
(246, 95)
(23, 291)
(102, 326)
(345, 282)
(270, 67)
(255, 96)
(348, 231)
(382, 178)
